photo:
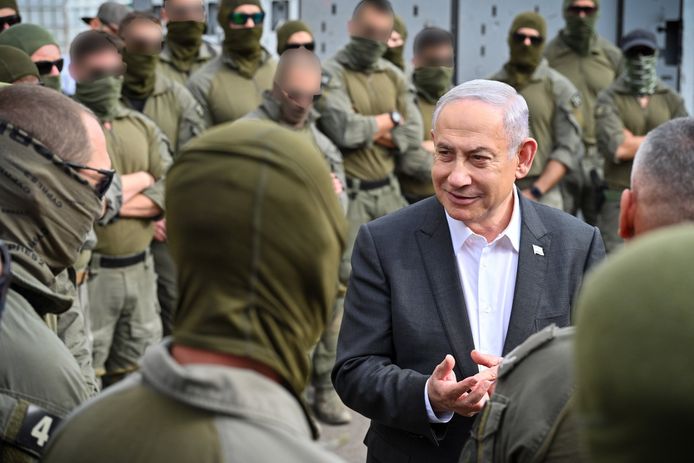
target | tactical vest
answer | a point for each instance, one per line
(410, 186)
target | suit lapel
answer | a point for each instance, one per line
(531, 276)
(436, 248)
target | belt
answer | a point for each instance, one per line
(120, 262)
(366, 185)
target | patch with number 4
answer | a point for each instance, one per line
(36, 430)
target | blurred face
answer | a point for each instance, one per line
(247, 15)
(48, 53)
(372, 24)
(142, 36)
(395, 40)
(97, 65)
(440, 55)
(473, 174)
(184, 10)
(299, 87)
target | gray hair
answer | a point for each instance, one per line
(663, 173)
(499, 95)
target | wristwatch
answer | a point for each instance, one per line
(536, 192)
(396, 118)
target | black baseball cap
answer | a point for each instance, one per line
(639, 38)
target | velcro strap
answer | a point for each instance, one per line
(36, 430)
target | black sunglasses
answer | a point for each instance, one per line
(45, 67)
(106, 177)
(588, 10)
(10, 20)
(240, 19)
(534, 39)
(310, 46)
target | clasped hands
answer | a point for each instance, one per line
(468, 396)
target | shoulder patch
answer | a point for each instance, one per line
(533, 343)
(326, 77)
(576, 100)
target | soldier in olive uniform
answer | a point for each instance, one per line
(171, 106)
(294, 34)
(16, 67)
(636, 103)
(290, 104)
(591, 63)
(432, 78)
(184, 51)
(255, 295)
(368, 111)
(41, 46)
(124, 311)
(532, 415)
(54, 177)
(552, 101)
(231, 85)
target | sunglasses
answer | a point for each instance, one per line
(10, 20)
(303, 97)
(45, 67)
(240, 19)
(588, 10)
(106, 177)
(310, 46)
(534, 39)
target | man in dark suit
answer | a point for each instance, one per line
(442, 289)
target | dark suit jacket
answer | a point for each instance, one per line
(405, 311)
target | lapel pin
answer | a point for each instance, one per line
(538, 250)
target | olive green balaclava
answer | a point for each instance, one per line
(287, 30)
(29, 38)
(634, 347)
(47, 208)
(396, 55)
(579, 32)
(184, 38)
(140, 74)
(15, 64)
(101, 96)
(242, 45)
(262, 281)
(524, 59)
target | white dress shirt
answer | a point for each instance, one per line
(488, 277)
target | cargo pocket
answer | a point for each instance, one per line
(480, 446)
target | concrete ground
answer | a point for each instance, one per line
(347, 441)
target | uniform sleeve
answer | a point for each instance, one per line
(199, 86)
(192, 121)
(608, 126)
(114, 201)
(346, 128)
(567, 132)
(159, 161)
(680, 109)
(73, 332)
(409, 135)
(416, 163)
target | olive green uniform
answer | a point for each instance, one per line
(168, 68)
(350, 101)
(124, 311)
(180, 118)
(174, 110)
(530, 417)
(225, 95)
(553, 102)
(324, 354)
(40, 380)
(589, 74)
(617, 109)
(415, 188)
